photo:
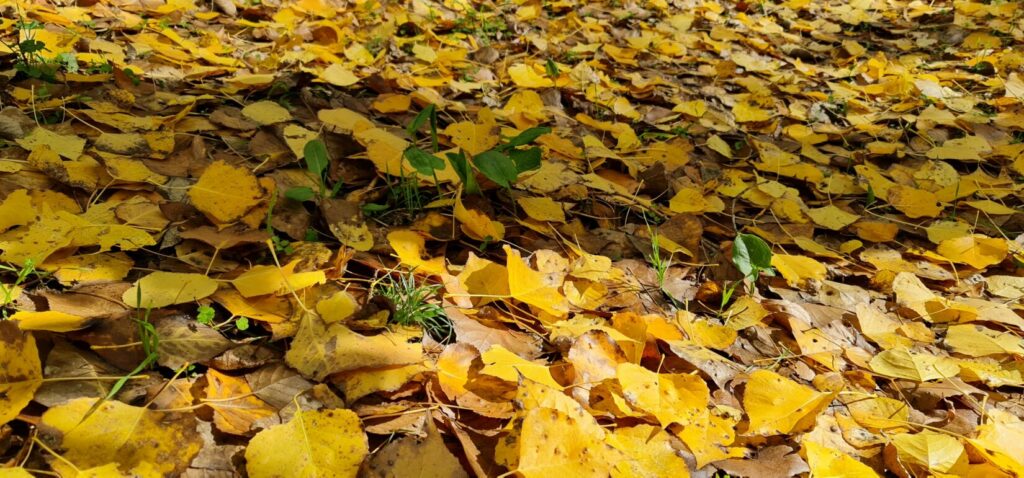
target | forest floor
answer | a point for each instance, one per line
(536, 238)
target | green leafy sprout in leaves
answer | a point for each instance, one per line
(205, 315)
(751, 256)
(413, 305)
(8, 292)
(149, 339)
(314, 153)
(502, 164)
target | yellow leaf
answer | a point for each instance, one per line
(670, 398)
(1001, 444)
(719, 145)
(777, 405)
(261, 280)
(553, 443)
(880, 328)
(711, 441)
(160, 289)
(991, 207)
(16, 473)
(827, 462)
(798, 269)
(473, 137)
(119, 433)
(359, 54)
(940, 231)
(453, 368)
(266, 112)
(235, 408)
(345, 120)
(391, 103)
(976, 250)
(485, 279)
(21, 373)
(296, 137)
(16, 210)
(1007, 287)
(526, 76)
(831, 217)
(321, 349)
(270, 309)
(223, 203)
(542, 209)
(339, 75)
(916, 366)
(693, 200)
(878, 413)
(409, 246)
(82, 172)
(501, 363)
(529, 286)
(977, 341)
(338, 307)
(930, 452)
(51, 320)
(695, 108)
(313, 444)
(650, 453)
(705, 333)
(356, 236)
(132, 170)
(961, 149)
(913, 202)
(67, 146)
(424, 53)
(476, 224)
(746, 112)
(360, 383)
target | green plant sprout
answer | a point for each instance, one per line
(150, 341)
(412, 305)
(502, 164)
(751, 256)
(314, 154)
(8, 291)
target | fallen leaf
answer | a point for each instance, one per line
(160, 289)
(778, 405)
(122, 434)
(312, 444)
(21, 373)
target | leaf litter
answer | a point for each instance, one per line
(656, 238)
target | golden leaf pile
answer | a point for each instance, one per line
(220, 254)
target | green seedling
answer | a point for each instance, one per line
(413, 305)
(314, 154)
(8, 292)
(149, 339)
(751, 256)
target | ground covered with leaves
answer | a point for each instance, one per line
(532, 238)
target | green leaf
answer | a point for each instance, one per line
(31, 46)
(373, 208)
(205, 315)
(527, 136)
(498, 167)
(242, 323)
(465, 171)
(70, 62)
(422, 161)
(300, 193)
(418, 121)
(750, 254)
(525, 159)
(551, 68)
(315, 153)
